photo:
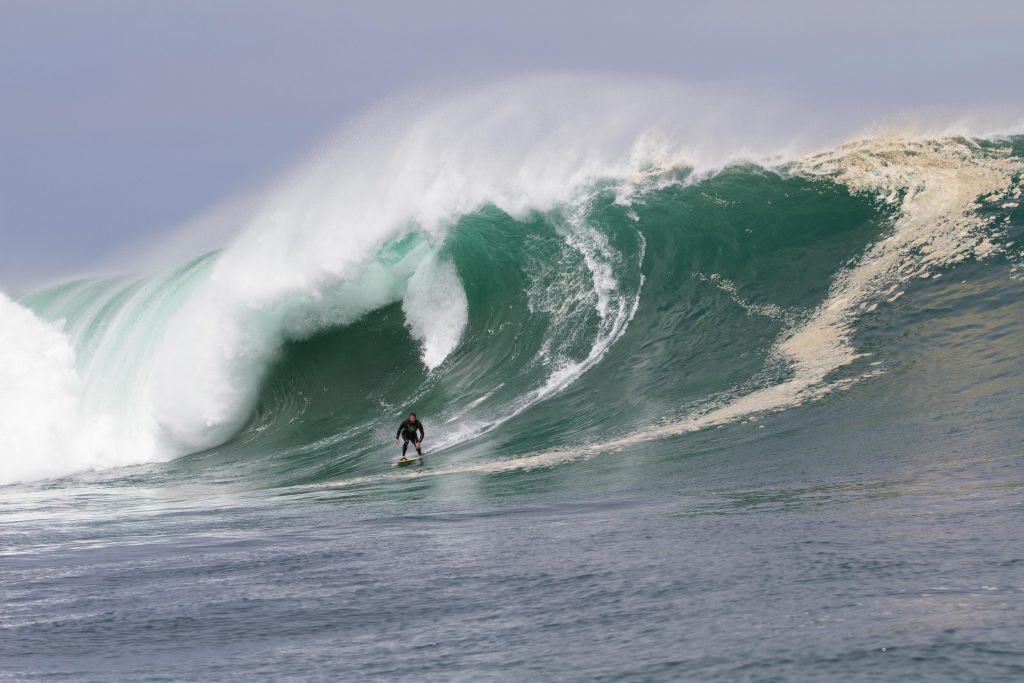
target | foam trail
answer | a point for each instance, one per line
(936, 187)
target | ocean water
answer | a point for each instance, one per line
(749, 421)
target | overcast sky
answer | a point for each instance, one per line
(122, 120)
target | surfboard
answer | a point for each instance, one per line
(415, 460)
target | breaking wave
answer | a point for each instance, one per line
(542, 283)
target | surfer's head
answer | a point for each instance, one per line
(412, 417)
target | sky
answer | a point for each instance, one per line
(120, 121)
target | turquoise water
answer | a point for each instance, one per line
(700, 433)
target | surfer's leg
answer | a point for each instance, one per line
(405, 445)
(419, 452)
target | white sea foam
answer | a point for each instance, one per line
(436, 309)
(41, 409)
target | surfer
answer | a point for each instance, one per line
(408, 431)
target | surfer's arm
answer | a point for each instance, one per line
(422, 433)
(398, 434)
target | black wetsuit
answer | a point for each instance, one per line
(407, 431)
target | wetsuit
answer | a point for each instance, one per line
(407, 431)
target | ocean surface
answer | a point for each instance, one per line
(754, 421)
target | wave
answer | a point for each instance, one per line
(488, 256)
(946, 195)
